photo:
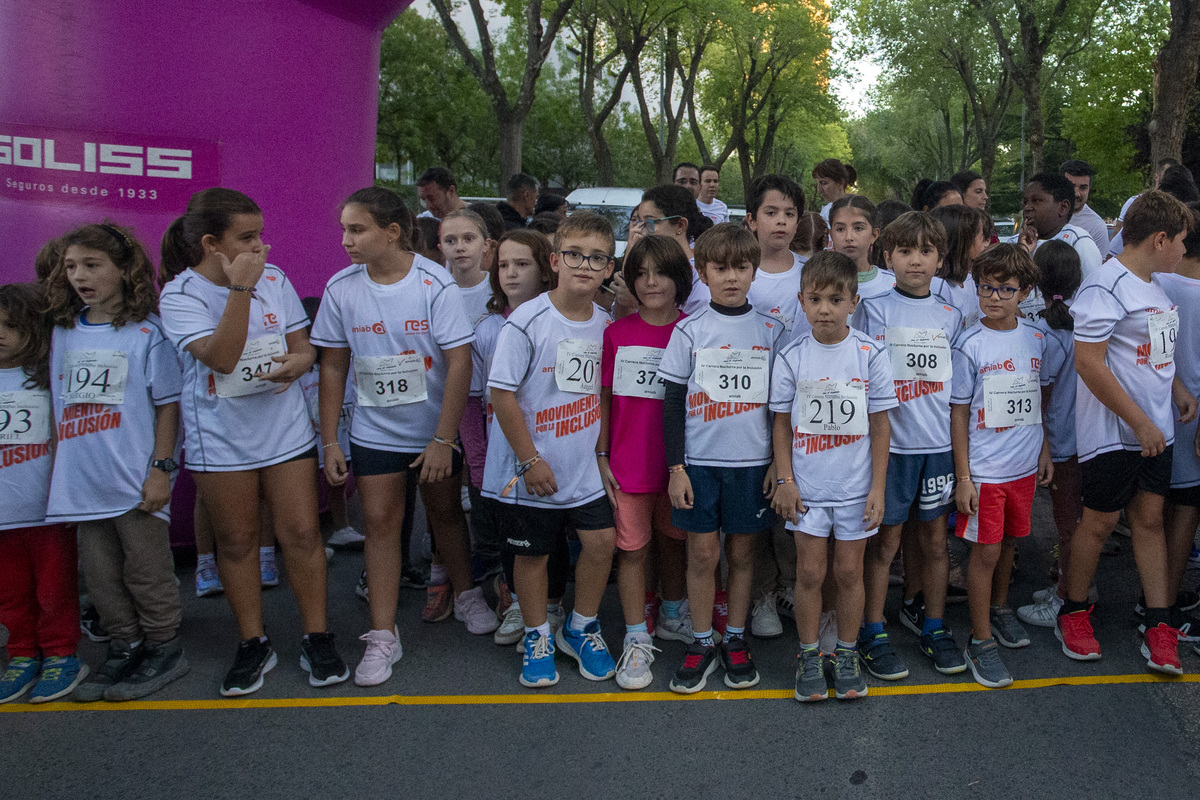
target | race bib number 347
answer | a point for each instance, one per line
(250, 374)
(577, 366)
(95, 376)
(734, 376)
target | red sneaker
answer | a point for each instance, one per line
(439, 603)
(653, 601)
(1160, 646)
(1074, 630)
(720, 612)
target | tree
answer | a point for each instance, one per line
(599, 90)
(510, 114)
(1175, 69)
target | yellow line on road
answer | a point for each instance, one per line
(534, 698)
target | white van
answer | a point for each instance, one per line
(613, 203)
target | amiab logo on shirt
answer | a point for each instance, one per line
(376, 327)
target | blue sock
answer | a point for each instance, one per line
(579, 621)
(871, 629)
(931, 625)
(639, 628)
(670, 608)
(734, 633)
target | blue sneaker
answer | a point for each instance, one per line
(588, 648)
(60, 676)
(21, 674)
(537, 666)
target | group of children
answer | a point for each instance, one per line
(851, 406)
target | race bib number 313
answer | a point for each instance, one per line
(635, 373)
(386, 381)
(835, 408)
(734, 376)
(577, 366)
(24, 417)
(95, 376)
(1011, 400)
(250, 374)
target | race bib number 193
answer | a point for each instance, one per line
(24, 417)
(1164, 328)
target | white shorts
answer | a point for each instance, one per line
(844, 522)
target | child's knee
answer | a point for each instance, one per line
(598, 543)
(704, 554)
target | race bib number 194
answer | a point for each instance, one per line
(95, 376)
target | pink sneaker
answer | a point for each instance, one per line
(470, 608)
(720, 612)
(383, 650)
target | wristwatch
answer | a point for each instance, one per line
(167, 465)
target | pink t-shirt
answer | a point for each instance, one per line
(638, 456)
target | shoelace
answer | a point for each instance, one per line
(377, 648)
(635, 650)
(208, 574)
(1076, 624)
(692, 660)
(989, 657)
(844, 660)
(595, 640)
(541, 649)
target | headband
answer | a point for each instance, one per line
(122, 239)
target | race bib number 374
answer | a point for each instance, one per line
(635, 373)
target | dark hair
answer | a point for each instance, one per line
(836, 171)
(386, 207)
(1191, 242)
(709, 168)
(209, 212)
(521, 181)
(1061, 275)
(539, 246)
(828, 268)
(927, 194)
(491, 217)
(1058, 187)
(724, 244)
(887, 212)
(666, 254)
(443, 177)
(1080, 169)
(425, 234)
(774, 182)
(1178, 182)
(139, 291)
(963, 180)
(549, 202)
(913, 229)
(1154, 211)
(26, 307)
(684, 165)
(1168, 162)
(545, 223)
(1006, 261)
(676, 201)
(311, 306)
(812, 233)
(586, 223)
(962, 224)
(859, 203)
(47, 258)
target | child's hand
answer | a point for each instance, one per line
(1184, 401)
(436, 462)
(247, 268)
(787, 503)
(1028, 238)
(967, 498)
(539, 480)
(293, 366)
(611, 487)
(335, 465)
(1150, 438)
(156, 491)
(873, 514)
(680, 490)
(769, 485)
(1045, 468)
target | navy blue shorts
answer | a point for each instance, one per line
(368, 461)
(924, 478)
(728, 499)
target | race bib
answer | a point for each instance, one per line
(1164, 328)
(635, 373)
(833, 408)
(249, 376)
(95, 376)
(386, 381)
(1011, 400)
(577, 367)
(919, 354)
(24, 417)
(1032, 305)
(734, 376)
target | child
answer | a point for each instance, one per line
(632, 459)
(852, 231)
(469, 251)
(1126, 328)
(239, 328)
(1058, 264)
(115, 382)
(999, 447)
(918, 328)
(541, 460)
(831, 391)
(39, 595)
(772, 210)
(965, 241)
(812, 234)
(717, 433)
(670, 210)
(1049, 203)
(400, 319)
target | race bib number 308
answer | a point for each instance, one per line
(734, 376)
(250, 374)
(919, 354)
(95, 376)
(24, 417)
(1011, 400)
(577, 366)
(386, 381)
(635, 373)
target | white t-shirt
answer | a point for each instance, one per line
(227, 434)
(475, 300)
(104, 450)
(564, 425)
(1058, 368)
(310, 383)
(881, 283)
(778, 295)
(1116, 306)
(1078, 238)
(964, 298)
(482, 351)
(825, 212)
(420, 315)
(1117, 245)
(1087, 219)
(921, 422)
(832, 469)
(717, 211)
(24, 466)
(987, 365)
(1185, 293)
(699, 299)
(724, 433)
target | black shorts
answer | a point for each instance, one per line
(1110, 480)
(1185, 496)
(368, 461)
(532, 531)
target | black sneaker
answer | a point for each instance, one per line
(319, 658)
(740, 672)
(89, 623)
(412, 577)
(698, 663)
(119, 664)
(1189, 630)
(880, 659)
(160, 664)
(912, 615)
(1186, 601)
(361, 590)
(940, 647)
(848, 680)
(255, 658)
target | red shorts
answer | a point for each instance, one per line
(1004, 510)
(637, 515)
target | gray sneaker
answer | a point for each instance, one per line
(848, 680)
(810, 677)
(986, 666)
(160, 664)
(119, 663)
(1006, 629)
(633, 670)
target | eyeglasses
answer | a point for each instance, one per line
(1003, 292)
(648, 223)
(597, 262)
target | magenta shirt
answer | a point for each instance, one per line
(638, 456)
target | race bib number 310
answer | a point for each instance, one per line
(386, 381)
(635, 373)
(577, 367)
(1011, 400)
(734, 376)
(24, 417)
(95, 376)
(250, 374)
(835, 408)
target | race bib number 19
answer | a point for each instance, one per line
(1164, 328)
(919, 354)
(635, 373)
(95, 376)
(577, 367)
(256, 363)
(834, 408)
(386, 381)
(734, 376)
(1011, 400)
(24, 417)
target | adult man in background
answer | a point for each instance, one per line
(1080, 174)
(687, 175)
(522, 200)
(709, 205)
(439, 192)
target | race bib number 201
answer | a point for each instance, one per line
(734, 376)
(95, 376)
(577, 366)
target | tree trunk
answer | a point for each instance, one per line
(511, 130)
(602, 153)
(987, 159)
(1031, 88)
(1175, 69)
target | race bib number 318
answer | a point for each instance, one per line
(386, 381)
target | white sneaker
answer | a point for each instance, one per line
(346, 537)
(512, 629)
(1052, 591)
(470, 608)
(383, 650)
(827, 633)
(328, 554)
(675, 629)
(785, 604)
(1041, 613)
(764, 619)
(633, 670)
